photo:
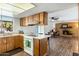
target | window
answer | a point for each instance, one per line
(8, 25)
(6, 21)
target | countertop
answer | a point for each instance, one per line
(8, 35)
(38, 37)
(25, 36)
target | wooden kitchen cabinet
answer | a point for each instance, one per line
(44, 46)
(39, 18)
(36, 47)
(10, 43)
(40, 47)
(23, 21)
(30, 19)
(2, 45)
(36, 18)
(21, 41)
(18, 41)
(43, 18)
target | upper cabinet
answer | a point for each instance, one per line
(24, 21)
(43, 18)
(30, 20)
(37, 19)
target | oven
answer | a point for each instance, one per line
(28, 45)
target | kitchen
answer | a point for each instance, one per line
(31, 43)
(25, 27)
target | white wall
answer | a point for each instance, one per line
(67, 15)
(16, 25)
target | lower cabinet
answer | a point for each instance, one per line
(18, 41)
(10, 43)
(2, 45)
(40, 47)
(21, 42)
(36, 47)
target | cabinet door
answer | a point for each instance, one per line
(2, 45)
(43, 46)
(30, 19)
(18, 41)
(23, 21)
(36, 47)
(40, 47)
(43, 18)
(36, 18)
(21, 41)
(10, 43)
(26, 21)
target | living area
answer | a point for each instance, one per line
(64, 32)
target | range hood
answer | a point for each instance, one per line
(33, 24)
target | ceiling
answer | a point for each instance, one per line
(48, 7)
(25, 9)
(15, 8)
